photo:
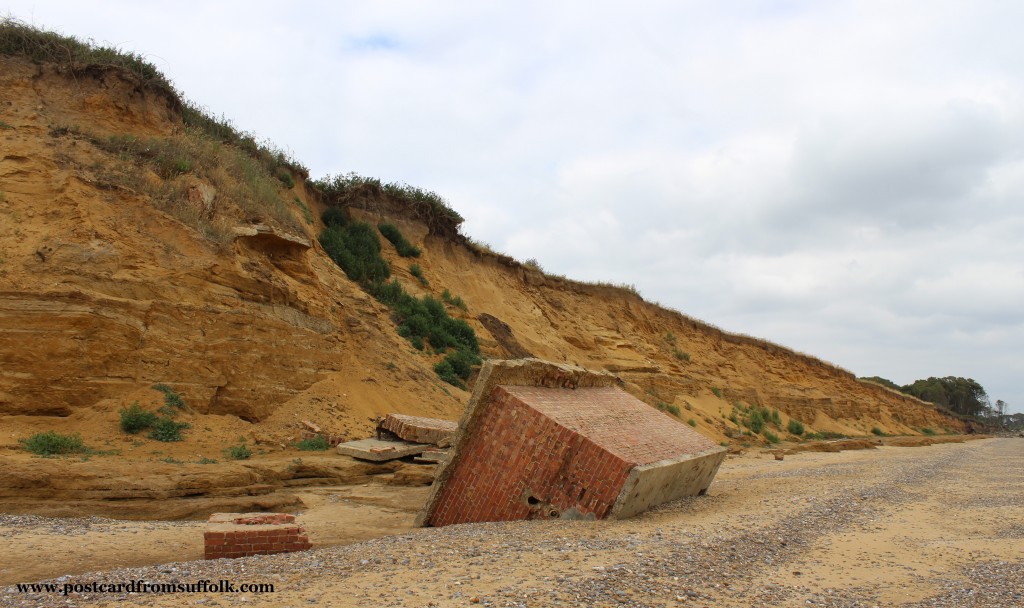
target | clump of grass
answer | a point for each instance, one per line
(826, 435)
(755, 421)
(681, 355)
(717, 391)
(671, 408)
(135, 419)
(795, 427)
(171, 397)
(314, 444)
(771, 437)
(417, 272)
(306, 213)
(238, 452)
(167, 429)
(205, 460)
(285, 177)
(928, 431)
(51, 443)
(402, 246)
(455, 301)
(877, 431)
(691, 422)
(5, 126)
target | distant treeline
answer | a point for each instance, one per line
(963, 396)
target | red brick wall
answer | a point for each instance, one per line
(516, 452)
(262, 540)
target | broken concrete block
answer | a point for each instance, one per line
(433, 456)
(380, 451)
(418, 429)
(540, 441)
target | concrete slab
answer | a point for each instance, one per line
(432, 456)
(377, 450)
(418, 429)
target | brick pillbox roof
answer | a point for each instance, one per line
(541, 440)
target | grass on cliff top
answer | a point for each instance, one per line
(353, 190)
(19, 39)
(239, 178)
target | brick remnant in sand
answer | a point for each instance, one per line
(244, 534)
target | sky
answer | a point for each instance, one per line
(842, 178)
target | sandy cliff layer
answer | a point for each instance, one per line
(115, 276)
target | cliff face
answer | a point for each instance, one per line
(132, 253)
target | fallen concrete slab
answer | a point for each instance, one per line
(432, 457)
(540, 440)
(377, 450)
(418, 429)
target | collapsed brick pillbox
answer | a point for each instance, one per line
(540, 440)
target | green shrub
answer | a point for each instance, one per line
(775, 418)
(205, 460)
(171, 398)
(52, 442)
(682, 356)
(286, 178)
(795, 427)
(334, 217)
(419, 320)
(771, 437)
(355, 248)
(402, 246)
(717, 391)
(417, 272)
(238, 452)
(755, 421)
(314, 444)
(167, 429)
(673, 409)
(928, 431)
(456, 366)
(135, 419)
(691, 422)
(877, 431)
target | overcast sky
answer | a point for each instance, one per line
(842, 178)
